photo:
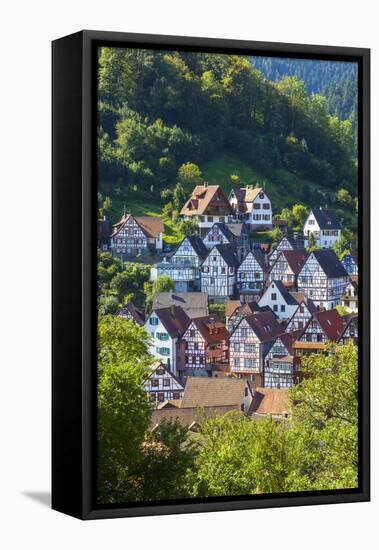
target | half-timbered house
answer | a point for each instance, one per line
(222, 233)
(323, 279)
(350, 298)
(136, 235)
(304, 311)
(165, 327)
(218, 272)
(281, 302)
(206, 341)
(183, 267)
(249, 344)
(350, 331)
(287, 267)
(324, 326)
(131, 313)
(207, 205)
(252, 206)
(235, 310)
(278, 364)
(161, 385)
(350, 262)
(252, 275)
(324, 226)
(285, 243)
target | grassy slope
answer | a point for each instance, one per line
(283, 188)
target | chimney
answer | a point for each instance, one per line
(205, 184)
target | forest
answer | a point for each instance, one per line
(160, 110)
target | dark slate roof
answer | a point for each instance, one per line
(261, 259)
(229, 252)
(289, 299)
(198, 245)
(224, 229)
(174, 319)
(329, 263)
(326, 219)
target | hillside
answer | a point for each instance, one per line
(160, 110)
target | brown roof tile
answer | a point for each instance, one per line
(174, 319)
(270, 401)
(213, 392)
(204, 196)
(211, 328)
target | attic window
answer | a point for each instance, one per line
(329, 322)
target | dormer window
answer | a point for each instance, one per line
(261, 195)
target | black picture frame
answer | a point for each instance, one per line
(74, 312)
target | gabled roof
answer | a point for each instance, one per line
(243, 309)
(224, 229)
(294, 258)
(270, 401)
(352, 321)
(197, 244)
(287, 296)
(326, 219)
(174, 319)
(152, 226)
(302, 299)
(159, 365)
(246, 196)
(135, 313)
(202, 197)
(231, 306)
(331, 323)
(288, 339)
(213, 392)
(265, 325)
(229, 253)
(260, 257)
(211, 328)
(195, 304)
(329, 263)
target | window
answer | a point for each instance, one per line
(319, 337)
(261, 195)
(236, 346)
(282, 308)
(154, 383)
(246, 392)
(162, 335)
(276, 307)
(210, 218)
(311, 222)
(201, 218)
(237, 362)
(249, 348)
(243, 332)
(273, 296)
(223, 271)
(222, 219)
(249, 363)
(309, 337)
(301, 309)
(192, 333)
(257, 206)
(153, 321)
(257, 275)
(214, 258)
(166, 382)
(266, 206)
(161, 397)
(176, 395)
(205, 269)
(212, 281)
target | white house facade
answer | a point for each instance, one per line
(277, 297)
(324, 226)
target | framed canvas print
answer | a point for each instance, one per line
(210, 275)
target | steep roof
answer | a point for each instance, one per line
(212, 329)
(245, 308)
(265, 325)
(224, 229)
(286, 295)
(204, 196)
(326, 219)
(135, 313)
(295, 259)
(197, 244)
(331, 323)
(195, 304)
(174, 319)
(159, 365)
(329, 263)
(270, 401)
(229, 252)
(213, 392)
(352, 321)
(245, 197)
(150, 225)
(237, 228)
(260, 257)
(231, 306)
(288, 338)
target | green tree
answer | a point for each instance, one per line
(347, 241)
(299, 215)
(123, 407)
(343, 197)
(161, 284)
(189, 175)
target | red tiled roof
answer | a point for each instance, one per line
(211, 328)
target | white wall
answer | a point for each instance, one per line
(27, 28)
